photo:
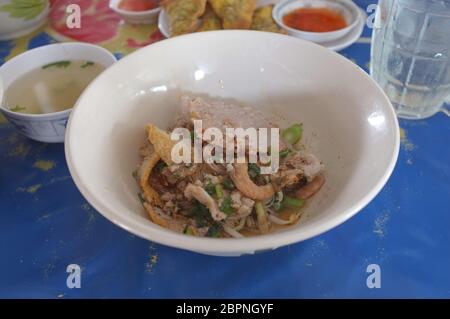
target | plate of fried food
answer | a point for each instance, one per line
(179, 17)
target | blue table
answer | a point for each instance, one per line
(45, 225)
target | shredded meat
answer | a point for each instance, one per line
(194, 191)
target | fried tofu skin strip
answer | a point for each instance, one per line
(161, 142)
(242, 181)
(150, 195)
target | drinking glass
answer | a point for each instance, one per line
(410, 55)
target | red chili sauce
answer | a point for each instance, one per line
(138, 5)
(315, 20)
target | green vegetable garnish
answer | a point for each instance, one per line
(219, 191)
(293, 134)
(259, 208)
(201, 215)
(210, 188)
(292, 202)
(226, 205)
(23, 9)
(88, 63)
(253, 170)
(188, 231)
(135, 174)
(60, 64)
(228, 185)
(18, 108)
(214, 230)
(285, 152)
(160, 166)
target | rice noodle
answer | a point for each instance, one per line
(233, 233)
(241, 223)
(276, 220)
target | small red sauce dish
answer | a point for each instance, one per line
(317, 20)
(138, 5)
(136, 11)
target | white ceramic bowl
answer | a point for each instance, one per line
(348, 120)
(14, 23)
(135, 17)
(346, 8)
(47, 127)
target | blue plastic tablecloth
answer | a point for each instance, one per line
(45, 225)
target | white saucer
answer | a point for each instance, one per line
(349, 38)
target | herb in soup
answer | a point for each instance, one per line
(51, 88)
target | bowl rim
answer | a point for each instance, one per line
(354, 8)
(29, 54)
(248, 245)
(114, 5)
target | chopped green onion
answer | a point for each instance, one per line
(201, 215)
(160, 166)
(276, 206)
(259, 208)
(292, 202)
(219, 191)
(253, 170)
(188, 231)
(285, 152)
(135, 174)
(293, 134)
(18, 108)
(228, 185)
(59, 64)
(261, 217)
(214, 230)
(226, 205)
(210, 188)
(88, 63)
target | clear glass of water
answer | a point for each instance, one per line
(410, 55)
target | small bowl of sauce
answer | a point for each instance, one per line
(137, 11)
(317, 20)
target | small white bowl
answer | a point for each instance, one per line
(12, 27)
(349, 123)
(135, 17)
(48, 127)
(346, 8)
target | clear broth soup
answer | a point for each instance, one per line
(51, 88)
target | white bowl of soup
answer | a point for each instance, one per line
(42, 85)
(355, 135)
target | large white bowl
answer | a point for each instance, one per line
(349, 123)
